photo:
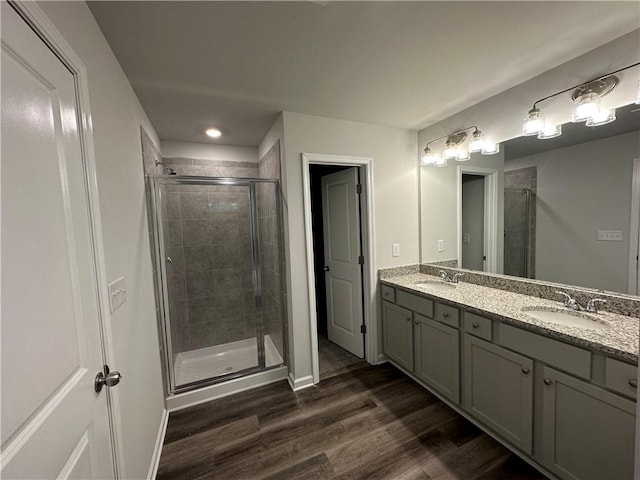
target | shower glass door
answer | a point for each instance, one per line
(208, 244)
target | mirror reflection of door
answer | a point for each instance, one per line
(473, 254)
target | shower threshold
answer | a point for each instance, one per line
(212, 362)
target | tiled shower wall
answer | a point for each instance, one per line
(151, 155)
(520, 222)
(208, 237)
(271, 253)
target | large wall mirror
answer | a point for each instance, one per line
(565, 209)
(568, 204)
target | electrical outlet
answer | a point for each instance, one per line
(395, 250)
(117, 293)
(610, 235)
(441, 245)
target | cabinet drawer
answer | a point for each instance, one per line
(553, 352)
(478, 326)
(418, 304)
(621, 377)
(388, 293)
(448, 315)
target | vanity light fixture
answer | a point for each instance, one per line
(587, 106)
(454, 148)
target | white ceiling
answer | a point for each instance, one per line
(236, 65)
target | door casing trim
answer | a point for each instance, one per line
(369, 271)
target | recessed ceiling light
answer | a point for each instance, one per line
(213, 132)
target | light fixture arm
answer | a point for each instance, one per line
(463, 130)
(585, 83)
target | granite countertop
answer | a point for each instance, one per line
(619, 338)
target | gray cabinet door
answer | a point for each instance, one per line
(588, 433)
(437, 356)
(499, 390)
(397, 332)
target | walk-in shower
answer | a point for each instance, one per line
(219, 255)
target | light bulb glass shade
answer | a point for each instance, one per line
(602, 117)
(490, 148)
(213, 132)
(476, 143)
(550, 131)
(533, 123)
(585, 106)
(428, 157)
(450, 151)
(441, 162)
(463, 155)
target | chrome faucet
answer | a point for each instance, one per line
(450, 278)
(573, 304)
(592, 304)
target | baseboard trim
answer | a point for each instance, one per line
(300, 383)
(219, 390)
(382, 358)
(162, 431)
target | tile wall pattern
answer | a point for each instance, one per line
(151, 155)
(520, 222)
(207, 230)
(271, 251)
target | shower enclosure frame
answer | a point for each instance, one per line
(159, 251)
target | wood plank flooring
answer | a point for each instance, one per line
(333, 359)
(364, 422)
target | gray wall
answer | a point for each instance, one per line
(582, 189)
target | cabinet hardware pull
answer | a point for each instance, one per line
(417, 322)
(633, 383)
(475, 324)
(408, 319)
(546, 381)
(445, 315)
(525, 370)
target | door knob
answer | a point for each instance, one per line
(326, 268)
(111, 379)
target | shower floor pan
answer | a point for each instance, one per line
(212, 362)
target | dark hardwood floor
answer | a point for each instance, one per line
(333, 359)
(363, 422)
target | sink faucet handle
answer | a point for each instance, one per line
(444, 274)
(569, 302)
(592, 304)
(457, 276)
(566, 295)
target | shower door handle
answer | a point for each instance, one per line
(326, 268)
(169, 260)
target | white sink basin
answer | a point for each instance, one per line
(564, 317)
(436, 285)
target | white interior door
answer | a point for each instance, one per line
(54, 425)
(343, 273)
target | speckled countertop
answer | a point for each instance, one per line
(618, 339)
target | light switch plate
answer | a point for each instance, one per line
(117, 293)
(466, 238)
(395, 250)
(610, 235)
(441, 245)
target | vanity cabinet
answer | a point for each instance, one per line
(588, 432)
(499, 390)
(397, 328)
(437, 356)
(569, 409)
(427, 348)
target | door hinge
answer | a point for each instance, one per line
(358, 189)
(361, 260)
(363, 329)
